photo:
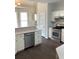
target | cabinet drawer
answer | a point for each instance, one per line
(19, 36)
(38, 39)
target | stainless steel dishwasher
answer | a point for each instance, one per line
(29, 39)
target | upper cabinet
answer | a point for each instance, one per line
(57, 14)
(61, 13)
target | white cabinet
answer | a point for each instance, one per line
(50, 32)
(42, 24)
(42, 18)
(57, 14)
(61, 13)
(19, 42)
(60, 51)
(62, 35)
(38, 39)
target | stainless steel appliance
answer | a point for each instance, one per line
(56, 33)
(57, 26)
(29, 39)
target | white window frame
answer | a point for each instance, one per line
(23, 20)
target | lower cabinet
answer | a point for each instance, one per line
(38, 39)
(19, 42)
(26, 40)
(62, 35)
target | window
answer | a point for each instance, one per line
(23, 19)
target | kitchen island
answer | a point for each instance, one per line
(26, 37)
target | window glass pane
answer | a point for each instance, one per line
(23, 18)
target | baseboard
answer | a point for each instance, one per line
(26, 49)
(19, 52)
(23, 50)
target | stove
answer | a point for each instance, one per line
(56, 33)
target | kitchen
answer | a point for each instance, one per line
(37, 20)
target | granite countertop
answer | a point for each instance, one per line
(25, 30)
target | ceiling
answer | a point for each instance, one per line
(25, 2)
(48, 1)
(33, 2)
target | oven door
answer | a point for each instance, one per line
(56, 33)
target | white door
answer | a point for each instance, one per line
(19, 42)
(38, 39)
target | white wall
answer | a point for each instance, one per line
(58, 5)
(31, 20)
(55, 7)
(50, 8)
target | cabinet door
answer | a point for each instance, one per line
(38, 39)
(15, 46)
(62, 35)
(42, 24)
(19, 42)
